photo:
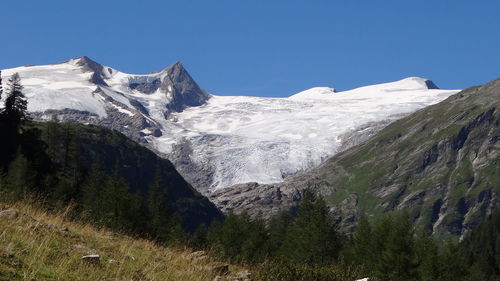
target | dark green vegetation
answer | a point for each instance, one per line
(307, 247)
(441, 164)
(107, 177)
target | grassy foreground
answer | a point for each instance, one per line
(37, 245)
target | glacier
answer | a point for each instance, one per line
(231, 139)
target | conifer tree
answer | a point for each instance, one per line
(52, 137)
(362, 249)
(12, 116)
(233, 234)
(91, 189)
(162, 222)
(312, 239)
(20, 177)
(253, 249)
(429, 267)
(116, 202)
(75, 167)
(277, 228)
(16, 105)
(394, 244)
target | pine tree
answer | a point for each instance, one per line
(12, 116)
(20, 178)
(253, 249)
(429, 268)
(312, 239)
(52, 137)
(277, 228)
(91, 192)
(394, 243)
(157, 205)
(199, 239)
(75, 167)
(16, 105)
(138, 214)
(233, 234)
(362, 248)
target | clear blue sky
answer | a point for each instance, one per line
(264, 48)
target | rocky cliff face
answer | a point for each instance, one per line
(440, 164)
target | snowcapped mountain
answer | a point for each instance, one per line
(218, 141)
(84, 91)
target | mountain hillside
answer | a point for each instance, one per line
(218, 141)
(39, 245)
(139, 167)
(441, 164)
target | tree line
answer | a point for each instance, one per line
(307, 247)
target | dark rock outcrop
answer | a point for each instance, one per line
(183, 89)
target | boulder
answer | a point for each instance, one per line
(9, 214)
(198, 255)
(91, 259)
(84, 249)
(220, 269)
(243, 275)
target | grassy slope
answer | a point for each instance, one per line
(35, 246)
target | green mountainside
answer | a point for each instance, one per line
(441, 164)
(139, 167)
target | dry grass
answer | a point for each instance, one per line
(38, 245)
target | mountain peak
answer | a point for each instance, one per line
(83, 61)
(314, 93)
(185, 92)
(89, 65)
(418, 82)
(176, 67)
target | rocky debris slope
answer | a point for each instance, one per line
(440, 164)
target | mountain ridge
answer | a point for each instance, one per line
(217, 141)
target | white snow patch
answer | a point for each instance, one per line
(123, 110)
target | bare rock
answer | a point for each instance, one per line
(198, 255)
(220, 269)
(243, 275)
(91, 259)
(10, 250)
(84, 249)
(9, 214)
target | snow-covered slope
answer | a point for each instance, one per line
(218, 141)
